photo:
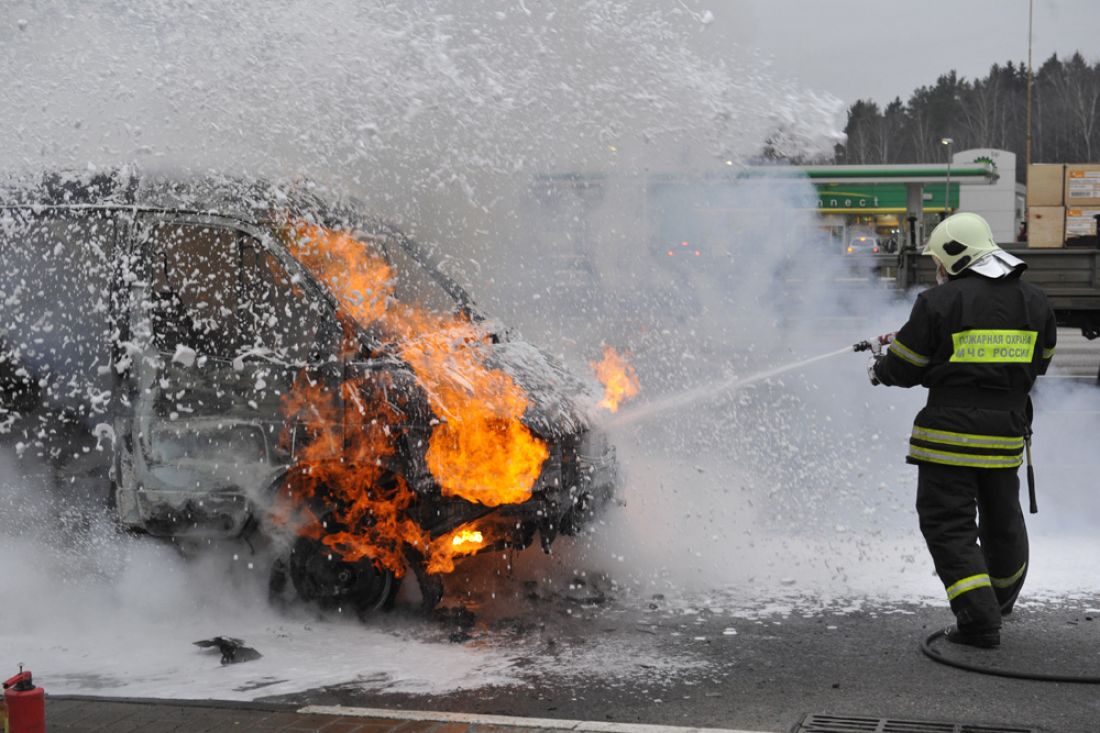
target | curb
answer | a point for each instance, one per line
(557, 724)
(585, 726)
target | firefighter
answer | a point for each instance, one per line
(977, 341)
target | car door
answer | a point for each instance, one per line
(221, 331)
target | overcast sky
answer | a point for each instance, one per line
(880, 49)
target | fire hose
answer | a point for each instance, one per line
(875, 346)
(934, 655)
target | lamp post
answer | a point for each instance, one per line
(947, 189)
(1027, 144)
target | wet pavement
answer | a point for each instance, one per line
(769, 673)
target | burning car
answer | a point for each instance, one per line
(240, 360)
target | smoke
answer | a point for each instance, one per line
(95, 610)
(61, 545)
(1065, 410)
(793, 483)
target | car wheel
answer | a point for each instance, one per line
(319, 576)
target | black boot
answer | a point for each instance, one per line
(987, 639)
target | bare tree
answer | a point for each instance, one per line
(981, 107)
(1078, 88)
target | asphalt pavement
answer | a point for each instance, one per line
(771, 674)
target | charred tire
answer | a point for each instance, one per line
(320, 576)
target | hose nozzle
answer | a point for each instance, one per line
(876, 344)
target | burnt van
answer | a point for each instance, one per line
(219, 359)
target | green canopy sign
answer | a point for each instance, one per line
(879, 198)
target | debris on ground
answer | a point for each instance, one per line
(232, 650)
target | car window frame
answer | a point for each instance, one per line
(263, 235)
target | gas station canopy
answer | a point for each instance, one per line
(907, 173)
(911, 189)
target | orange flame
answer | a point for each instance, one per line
(463, 541)
(619, 380)
(480, 451)
(351, 466)
(467, 536)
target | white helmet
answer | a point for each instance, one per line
(964, 241)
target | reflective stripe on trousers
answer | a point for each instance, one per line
(1010, 580)
(968, 584)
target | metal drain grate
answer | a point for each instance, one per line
(855, 724)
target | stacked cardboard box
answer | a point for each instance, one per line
(1082, 199)
(1045, 184)
(1046, 226)
(1081, 223)
(1046, 213)
(1082, 185)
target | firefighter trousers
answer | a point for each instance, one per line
(974, 527)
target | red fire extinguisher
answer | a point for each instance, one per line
(25, 705)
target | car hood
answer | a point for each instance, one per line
(557, 401)
(556, 398)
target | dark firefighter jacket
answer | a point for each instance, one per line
(977, 344)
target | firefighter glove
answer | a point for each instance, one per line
(871, 374)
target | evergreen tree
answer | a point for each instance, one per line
(987, 112)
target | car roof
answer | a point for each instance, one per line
(240, 197)
(247, 199)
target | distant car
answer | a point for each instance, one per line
(863, 244)
(242, 360)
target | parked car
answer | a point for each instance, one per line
(195, 352)
(864, 243)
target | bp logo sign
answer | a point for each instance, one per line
(987, 159)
